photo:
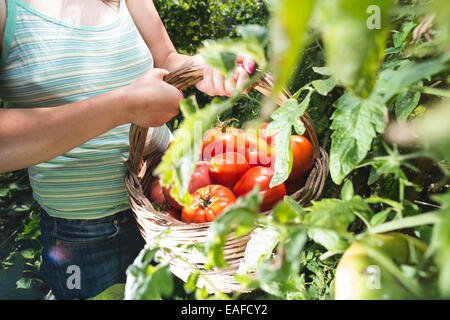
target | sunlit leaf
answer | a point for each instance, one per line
(354, 33)
(290, 19)
(356, 123)
(146, 281)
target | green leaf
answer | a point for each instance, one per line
(380, 217)
(146, 281)
(356, 123)
(189, 106)
(405, 103)
(267, 271)
(347, 190)
(260, 246)
(412, 72)
(221, 54)
(327, 221)
(325, 71)
(253, 32)
(330, 239)
(115, 292)
(287, 211)
(344, 23)
(323, 87)
(214, 53)
(285, 118)
(191, 284)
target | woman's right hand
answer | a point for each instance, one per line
(150, 101)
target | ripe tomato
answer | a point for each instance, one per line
(200, 178)
(217, 141)
(261, 176)
(254, 149)
(359, 276)
(227, 168)
(265, 134)
(207, 203)
(257, 152)
(303, 158)
(156, 192)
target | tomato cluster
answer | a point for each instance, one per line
(232, 163)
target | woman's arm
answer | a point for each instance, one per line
(32, 136)
(154, 33)
(165, 55)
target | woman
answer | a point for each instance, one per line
(73, 75)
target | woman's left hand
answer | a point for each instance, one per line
(215, 84)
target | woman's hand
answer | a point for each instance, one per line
(215, 84)
(151, 101)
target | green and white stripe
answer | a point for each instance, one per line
(47, 62)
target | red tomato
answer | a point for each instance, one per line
(200, 177)
(216, 141)
(207, 203)
(156, 192)
(265, 134)
(227, 168)
(257, 152)
(261, 176)
(303, 158)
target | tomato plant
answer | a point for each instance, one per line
(207, 203)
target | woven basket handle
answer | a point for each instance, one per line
(188, 76)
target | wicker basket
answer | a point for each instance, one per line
(153, 223)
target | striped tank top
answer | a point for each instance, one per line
(47, 62)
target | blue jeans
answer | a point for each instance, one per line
(81, 258)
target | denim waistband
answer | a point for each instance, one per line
(121, 216)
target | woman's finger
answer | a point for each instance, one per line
(247, 62)
(242, 78)
(206, 84)
(229, 87)
(219, 84)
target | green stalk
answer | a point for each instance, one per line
(408, 222)
(432, 91)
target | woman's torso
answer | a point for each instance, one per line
(48, 62)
